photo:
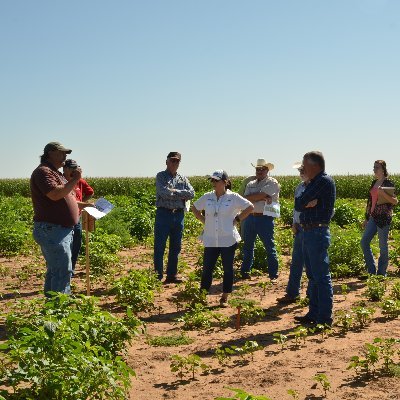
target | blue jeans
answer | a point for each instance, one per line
(167, 224)
(263, 226)
(211, 255)
(55, 242)
(76, 244)
(370, 230)
(315, 249)
(296, 265)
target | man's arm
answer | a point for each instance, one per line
(311, 193)
(162, 188)
(60, 191)
(187, 193)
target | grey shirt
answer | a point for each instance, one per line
(165, 181)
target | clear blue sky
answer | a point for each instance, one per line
(222, 81)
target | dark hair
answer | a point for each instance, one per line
(228, 184)
(43, 157)
(316, 157)
(383, 165)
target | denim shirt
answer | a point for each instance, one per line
(167, 199)
(323, 189)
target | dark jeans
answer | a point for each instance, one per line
(167, 224)
(211, 255)
(315, 245)
(76, 244)
(263, 226)
(296, 265)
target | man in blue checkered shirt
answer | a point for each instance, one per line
(172, 192)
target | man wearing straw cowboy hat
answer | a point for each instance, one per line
(260, 191)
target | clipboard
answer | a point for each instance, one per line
(389, 190)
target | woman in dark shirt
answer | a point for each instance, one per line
(378, 216)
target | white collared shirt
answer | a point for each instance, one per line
(219, 228)
(267, 185)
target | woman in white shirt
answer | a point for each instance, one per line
(222, 208)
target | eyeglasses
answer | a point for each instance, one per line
(259, 169)
(174, 160)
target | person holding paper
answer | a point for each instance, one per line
(316, 206)
(173, 191)
(83, 192)
(378, 216)
(56, 213)
(260, 191)
(222, 209)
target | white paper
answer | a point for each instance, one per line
(273, 209)
(187, 206)
(101, 208)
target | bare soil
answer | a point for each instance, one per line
(272, 371)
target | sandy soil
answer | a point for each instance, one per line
(271, 373)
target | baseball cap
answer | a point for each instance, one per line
(71, 164)
(218, 175)
(56, 146)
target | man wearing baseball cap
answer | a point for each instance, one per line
(172, 191)
(55, 214)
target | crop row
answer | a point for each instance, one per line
(349, 186)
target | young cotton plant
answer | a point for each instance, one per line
(187, 365)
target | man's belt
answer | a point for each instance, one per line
(308, 227)
(257, 214)
(171, 210)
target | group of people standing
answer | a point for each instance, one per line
(58, 199)
(221, 209)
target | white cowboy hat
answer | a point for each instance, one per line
(297, 165)
(262, 163)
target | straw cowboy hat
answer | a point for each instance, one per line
(262, 163)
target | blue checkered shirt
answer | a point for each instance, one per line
(176, 199)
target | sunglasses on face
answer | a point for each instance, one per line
(214, 180)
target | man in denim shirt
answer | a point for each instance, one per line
(172, 192)
(316, 205)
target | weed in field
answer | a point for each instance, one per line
(169, 340)
(241, 394)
